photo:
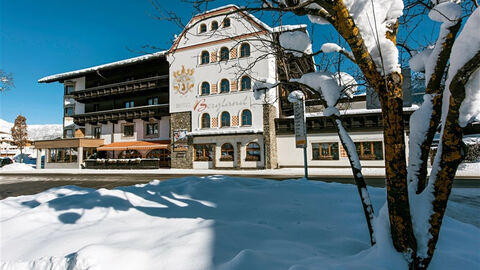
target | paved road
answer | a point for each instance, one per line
(16, 185)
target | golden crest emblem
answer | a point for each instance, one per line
(184, 80)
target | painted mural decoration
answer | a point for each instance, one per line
(183, 80)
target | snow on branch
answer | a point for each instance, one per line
(333, 47)
(296, 42)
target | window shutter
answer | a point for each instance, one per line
(234, 86)
(233, 53)
(213, 57)
(214, 89)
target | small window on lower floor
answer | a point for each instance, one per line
(69, 133)
(253, 152)
(151, 129)
(369, 150)
(325, 151)
(203, 152)
(128, 130)
(227, 152)
(96, 132)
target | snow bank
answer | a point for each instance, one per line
(212, 222)
(16, 167)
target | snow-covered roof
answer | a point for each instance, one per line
(76, 73)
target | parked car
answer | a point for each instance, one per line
(5, 161)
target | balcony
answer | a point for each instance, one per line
(121, 88)
(128, 114)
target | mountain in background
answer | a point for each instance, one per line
(36, 132)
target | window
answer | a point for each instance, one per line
(152, 101)
(96, 132)
(96, 107)
(151, 129)
(163, 156)
(203, 152)
(369, 150)
(214, 25)
(69, 111)
(224, 54)
(69, 133)
(130, 154)
(203, 28)
(205, 58)
(129, 104)
(226, 22)
(225, 118)
(205, 120)
(205, 88)
(253, 152)
(227, 152)
(246, 118)
(246, 83)
(325, 151)
(224, 86)
(69, 88)
(245, 50)
(128, 130)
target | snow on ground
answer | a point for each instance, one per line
(213, 222)
(16, 167)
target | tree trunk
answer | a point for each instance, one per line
(434, 88)
(390, 94)
(347, 142)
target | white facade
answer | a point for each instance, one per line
(68, 102)
(189, 73)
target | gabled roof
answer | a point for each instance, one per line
(229, 9)
(80, 72)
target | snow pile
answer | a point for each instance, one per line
(333, 47)
(296, 96)
(212, 222)
(16, 167)
(36, 132)
(296, 42)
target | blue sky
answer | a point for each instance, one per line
(40, 38)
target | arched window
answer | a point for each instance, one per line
(245, 50)
(205, 120)
(214, 25)
(130, 154)
(227, 152)
(246, 118)
(205, 88)
(205, 58)
(203, 28)
(224, 54)
(226, 22)
(225, 119)
(224, 86)
(245, 83)
(253, 152)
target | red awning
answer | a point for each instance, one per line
(135, 145)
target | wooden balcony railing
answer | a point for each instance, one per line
(121, 88)
(142, 112)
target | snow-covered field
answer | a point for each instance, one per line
(16, 167)
(213, 222)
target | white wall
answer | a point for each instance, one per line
(289, 156)
(214, 72)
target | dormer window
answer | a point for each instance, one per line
(203, 28)
(226, 22)
(214, 26)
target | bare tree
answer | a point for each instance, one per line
(6, 81)
(20, 134)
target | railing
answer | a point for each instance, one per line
(121, 88)
(144, 112)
